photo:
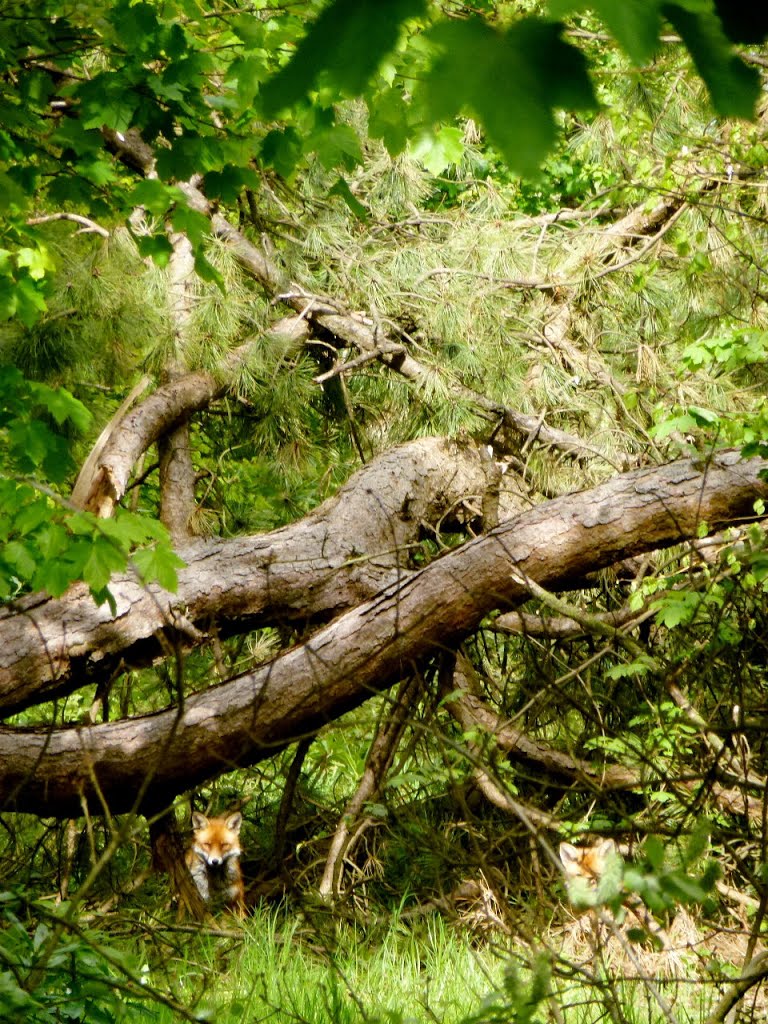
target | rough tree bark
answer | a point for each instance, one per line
(334, 558)
(371, 647)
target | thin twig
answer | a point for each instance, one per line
(88, 226)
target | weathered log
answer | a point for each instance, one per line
(341, 554)
(369, 648)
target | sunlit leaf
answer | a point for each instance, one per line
(503, 86)
(348, 41)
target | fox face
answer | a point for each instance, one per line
(213, 859)
(586, 867)
(587, 862)
(215, 840)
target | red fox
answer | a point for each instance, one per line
(213, 860)
(587, 862)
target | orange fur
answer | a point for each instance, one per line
(213, 859)
(586, 861)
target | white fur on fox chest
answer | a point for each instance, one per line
(212, 874)
(213, 858)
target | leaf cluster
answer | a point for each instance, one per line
(45, 544)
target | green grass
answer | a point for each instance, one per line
(313, 969)
(282, 972)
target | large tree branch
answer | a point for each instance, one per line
(177, 472)
(369, 648)
(331, 560)
(104, 477)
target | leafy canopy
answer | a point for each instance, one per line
(225, 90)
(106, 107)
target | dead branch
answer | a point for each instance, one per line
(339, 555)
(369, 648)
(377, 764)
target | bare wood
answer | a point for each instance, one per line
(752, 975)
(563, 627)
(369, 648)
(87, 225)
(340, 555)
(377, 764)
(105, 475)
(177, 473)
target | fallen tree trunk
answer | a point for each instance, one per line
(368, 649)
(331, 560)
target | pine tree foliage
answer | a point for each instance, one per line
(253, 187)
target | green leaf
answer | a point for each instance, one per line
(341, 188)
(502, 83)
(207, 272)
(347, 42)
(103, 594)
(104, 560)
(336, 144)
(635, 24)
(389, 115)
(155, 196)
(63, 406)
(159, 562)
(57, 462)
(676, 608)
(52, 540)
(30, 441)
(229, 182)
(640, 667)
(137, 26)
(14, 1000)
(438, 150)
(53, 577)
(72, 136)
(193, 224)
(245, 77)
(734, 87)
(30, 301)
(682, 888)
(37, 261)
(20, 558)
(653, 851)
(188, 155)
(282, 149)
(249, 29)
(698, 840)
(129, 529)
(8, 298)
(155, 247)
(693, 419)
(106, 99)
(31, 516)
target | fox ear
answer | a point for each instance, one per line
(570, 856)
(234, 821)
(606, 848)
(199, 821)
